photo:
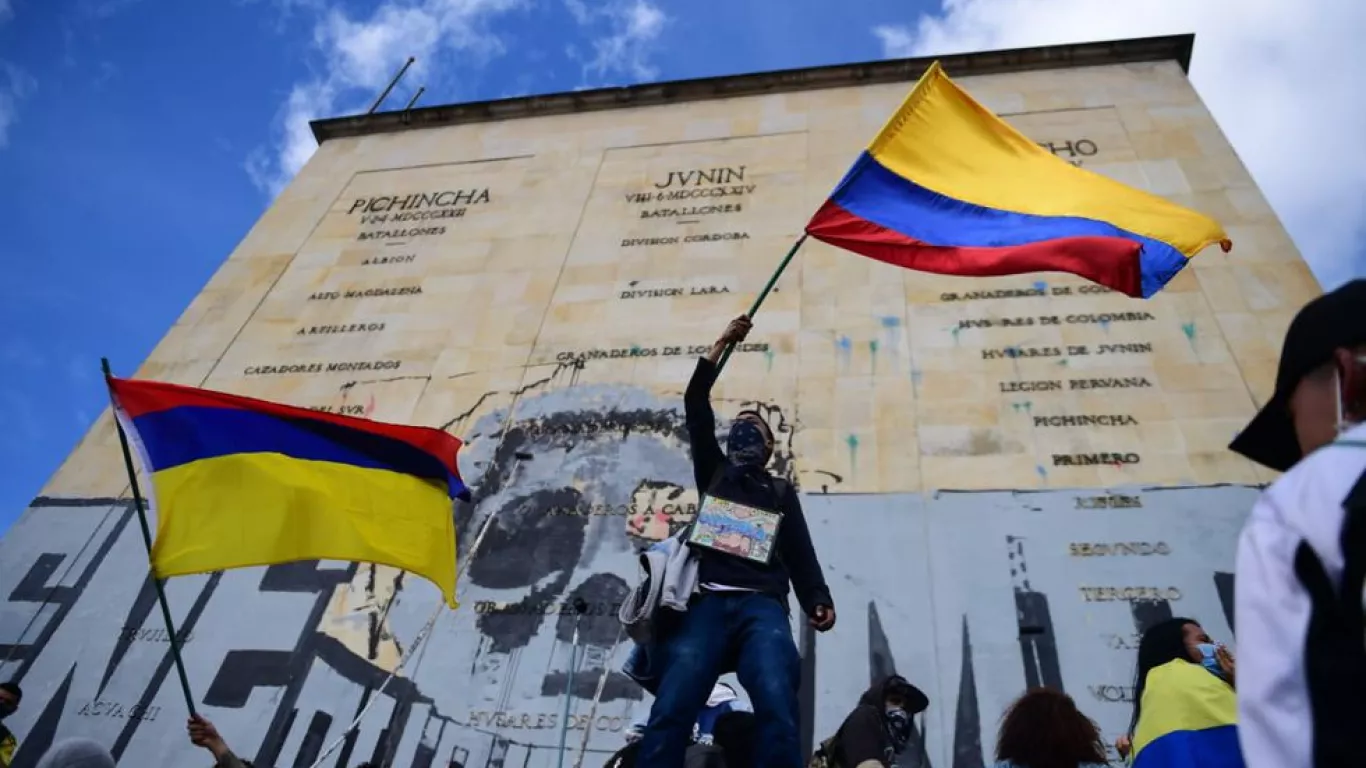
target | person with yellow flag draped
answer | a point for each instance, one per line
(1185, 711)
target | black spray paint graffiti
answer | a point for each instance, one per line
(967, 728)
(560, 547)
(534, 545)
(1038, 643)
(240, 672)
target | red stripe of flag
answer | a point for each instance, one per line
(137, 398)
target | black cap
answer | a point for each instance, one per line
(1332, 321)
(916, 700)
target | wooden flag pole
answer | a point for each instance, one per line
(147, 540)
(772, 281)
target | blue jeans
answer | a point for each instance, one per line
(751, 631)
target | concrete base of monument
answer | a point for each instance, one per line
(973, 596)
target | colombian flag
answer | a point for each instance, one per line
(948, 187)
(239, 482)
(1189, 720)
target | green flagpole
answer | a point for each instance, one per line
(147, 540)
(772, 281)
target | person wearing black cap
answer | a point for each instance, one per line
(1298, 614)
(878, 729)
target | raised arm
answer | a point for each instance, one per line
(698, 415)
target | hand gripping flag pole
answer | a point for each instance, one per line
(147, 540)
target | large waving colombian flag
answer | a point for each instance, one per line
(240, 482)
(948, 187)
(1189, 720)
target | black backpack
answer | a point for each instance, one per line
(1335, 645)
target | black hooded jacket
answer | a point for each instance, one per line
(795, 558)
(863, 734)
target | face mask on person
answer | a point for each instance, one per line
(898, 727)
(1343, 423)
(747, 445)
(1210, 660)
(7, 709)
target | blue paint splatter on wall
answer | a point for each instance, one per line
(1189, 330)
(844, 346)
(852, 442)
(872, 352)
(890, 321)
(1043, 473)
(1040, 285)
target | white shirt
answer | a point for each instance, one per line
(1271, 607)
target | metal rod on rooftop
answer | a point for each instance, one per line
(415, 97)
(392, 83)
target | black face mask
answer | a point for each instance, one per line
(747, 446)
(898, 727)
(7, 709)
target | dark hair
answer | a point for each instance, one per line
(1044, 729)
(734, 734)
(13, 689)
(1161, 643)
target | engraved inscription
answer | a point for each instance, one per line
(288, 369)
(1099, 420)
(626, 352)
(1093, 459)
(316, 330)
(542, 720)
(710, 237)
(1119, 548)
(115, 709)
(1115, 501)
(1129, 594)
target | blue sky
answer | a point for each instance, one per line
(140, 139)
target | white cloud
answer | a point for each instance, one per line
(1283, 81)
(897, 41)
(633, 27)
(360, 55)
(15, 86)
